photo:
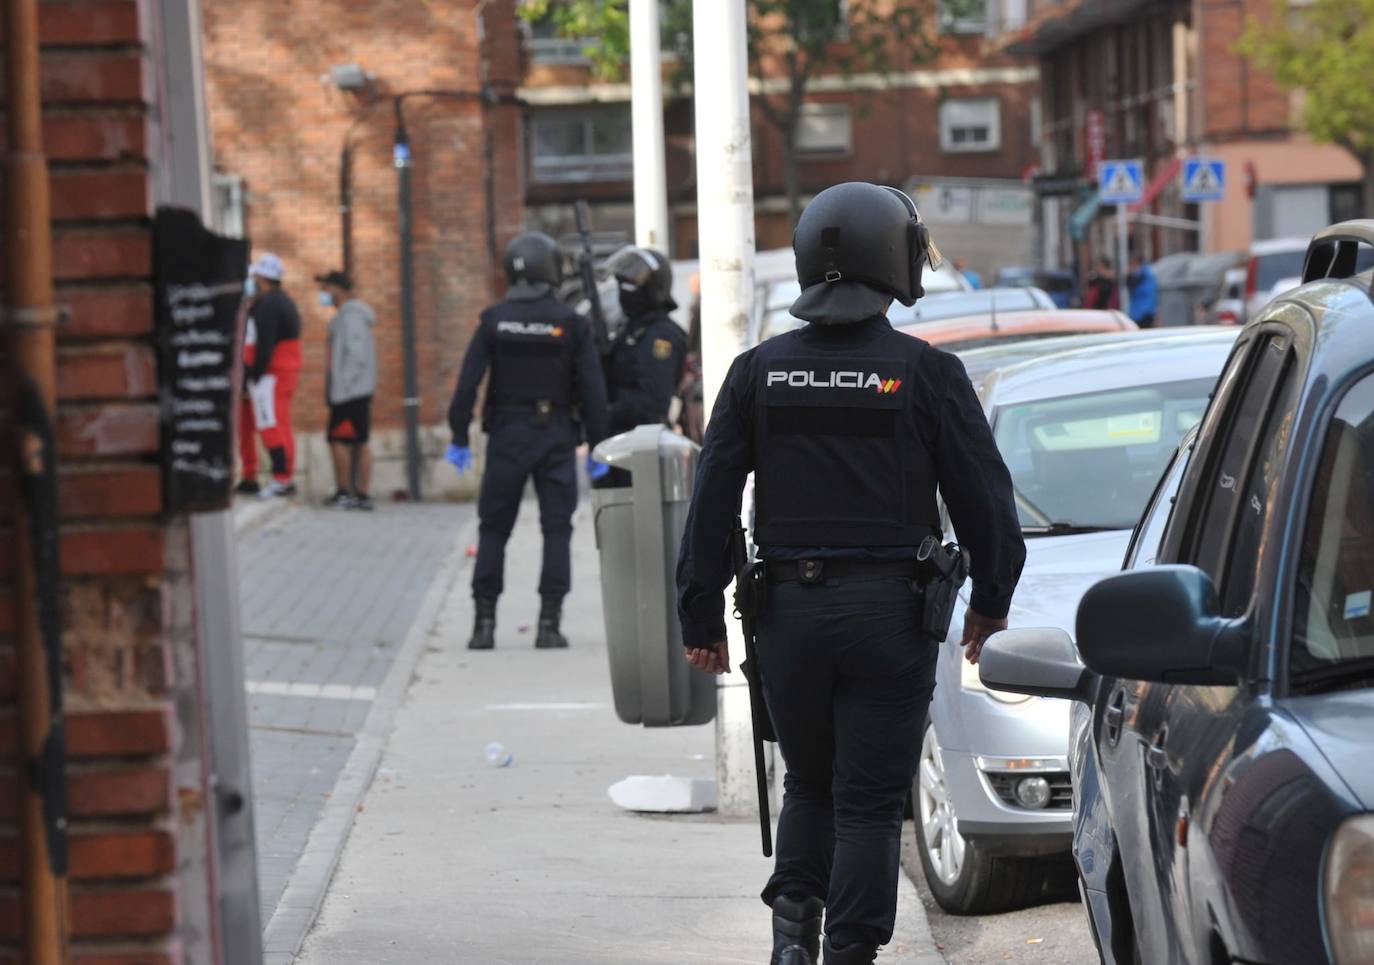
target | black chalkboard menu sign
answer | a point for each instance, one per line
(199, 285)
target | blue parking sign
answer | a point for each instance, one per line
(1120, 182)
(1204, 179)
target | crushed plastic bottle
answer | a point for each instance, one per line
(497, 755)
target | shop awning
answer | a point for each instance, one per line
(1157, 185)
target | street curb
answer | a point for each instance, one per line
(251, 516)
(305, 890)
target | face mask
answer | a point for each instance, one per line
(250, 287)
(326, 299)
(636, 301)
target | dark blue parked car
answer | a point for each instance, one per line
(1223, 740)
(1061, 285)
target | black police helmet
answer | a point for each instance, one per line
(533, 257)
(645, 278)
(866, 233)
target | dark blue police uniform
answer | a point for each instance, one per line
(546, 388)
(849, 430)
(643, 372)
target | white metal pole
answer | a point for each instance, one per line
(725, 230)
(1122, 243)
(646, 119)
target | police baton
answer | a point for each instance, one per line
(747, 597)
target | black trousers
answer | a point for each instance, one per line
(848, 681)
(516, 451)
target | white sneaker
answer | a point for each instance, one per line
(277, 490)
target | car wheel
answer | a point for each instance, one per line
(963, 879)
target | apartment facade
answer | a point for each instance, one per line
(958, 124)
(1159, 80)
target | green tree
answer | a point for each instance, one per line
(1324, 49)
(795, 40)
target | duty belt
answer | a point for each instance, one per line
(819, 571)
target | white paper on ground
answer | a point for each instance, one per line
(665, 794)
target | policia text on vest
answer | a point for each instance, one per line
(849, 428)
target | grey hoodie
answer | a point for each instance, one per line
(352, 353)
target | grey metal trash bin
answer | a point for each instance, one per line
(638, 530)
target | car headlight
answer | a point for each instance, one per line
(968, 679)
(1350, 891)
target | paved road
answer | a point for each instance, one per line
(327, 597)
(1053, 933)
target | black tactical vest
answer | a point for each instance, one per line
(841, 459)
(533, 356)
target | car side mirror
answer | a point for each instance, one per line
(1041, 662)
(1161, 624)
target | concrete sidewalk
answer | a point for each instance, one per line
(452, 860)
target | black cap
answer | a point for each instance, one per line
(335, 277)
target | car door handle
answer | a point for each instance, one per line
(1157, 757)
(1114, 716)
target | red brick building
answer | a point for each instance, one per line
(138, 772)
(1164, 79)
(280, 125)
(967, 113)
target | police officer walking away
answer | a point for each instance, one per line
(646, 360)
(545, 387)
(849, 428)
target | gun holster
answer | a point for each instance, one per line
(751, 596)
(943, 571)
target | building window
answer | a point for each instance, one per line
(581, 146)
(963, 16)
(971, 125)
(545, 46)
(226, 205)
(824, 129)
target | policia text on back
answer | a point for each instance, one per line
(850, 429)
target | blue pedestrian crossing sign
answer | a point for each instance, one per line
(1204, 179)
(1120, 182)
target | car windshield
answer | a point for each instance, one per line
(955, 304)
(1272, 268)
(1088, 462)
(1333, 638)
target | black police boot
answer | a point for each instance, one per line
(550, 613)
(796, 930)
(856, 954)
(484, 624)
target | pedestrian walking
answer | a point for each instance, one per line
(274, 332)
(350, 383)
(1100, 291)
(645, 366)
(1144, 290)
(849, 428)
(545, 392)
(971, 276)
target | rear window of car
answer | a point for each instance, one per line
(1273, 268)
(967, 344)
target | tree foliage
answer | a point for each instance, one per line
(797, 40)
(1325, 50)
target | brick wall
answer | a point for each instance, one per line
(125, 599)
(1239, 100)
(280, 124)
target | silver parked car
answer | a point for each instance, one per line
(1086, 435)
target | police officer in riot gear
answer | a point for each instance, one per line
(645, 364)
(849, 427)
(546, 388)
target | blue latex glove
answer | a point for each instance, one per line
(596, 470)
(460, 456)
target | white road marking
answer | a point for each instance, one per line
(278, 688)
